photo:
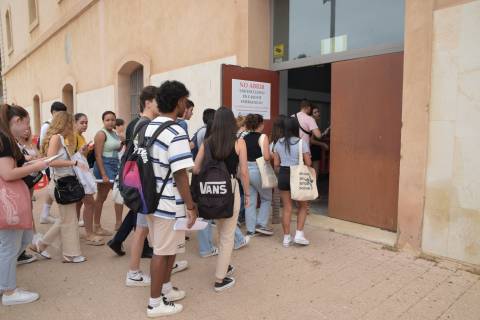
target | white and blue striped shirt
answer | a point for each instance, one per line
(170, 150)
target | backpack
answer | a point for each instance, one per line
(196, 147)
(137, 181)
(212, 188)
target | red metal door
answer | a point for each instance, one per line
(365, 140)
(232, 72)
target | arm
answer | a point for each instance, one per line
(241, 149)
(54, 147)
(9, 172)
(316, 133)
(266, 149)
(181, 179)
(307, 159)
(99, 141)
(276, 162)
(199, 160)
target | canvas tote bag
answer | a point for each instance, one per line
(15, 205)
(269, 179)
(303, 180)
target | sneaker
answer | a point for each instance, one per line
(251, 234)
(245, 241)
(81, 223)
(179, 266)
(230, 270)
(137, 279)
(287, 240)
(25, 258)
(19, 296)
(47, 220)
(164, 309)
(175, 295)
(264, 230)
(227, 282)
(211, 254)
(116, 247)
(301, 240)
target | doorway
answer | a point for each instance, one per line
(67, 97)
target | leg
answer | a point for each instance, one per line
(118, 215)
(126, 227)
(265, 206)
(45, 217)
(69, 232)
(302, 214)
(88, 212)
(276, 206)
(239, 240)
(251, 211)
(159, 273)
(10, 244)
(205, 241)
(103, 190)
(287, 211)
(138, 240)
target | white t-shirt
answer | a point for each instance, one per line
(43, 130)
(171, 149)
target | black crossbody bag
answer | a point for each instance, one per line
(68, 189)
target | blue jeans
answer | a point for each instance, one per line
(251, 219)
(12, 243)
(205, 240)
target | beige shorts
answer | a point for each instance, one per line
(164, 240)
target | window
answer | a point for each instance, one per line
(136, 86)
(33, 13)
(8, 22)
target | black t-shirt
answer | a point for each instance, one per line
(7, 150)
(253, 149)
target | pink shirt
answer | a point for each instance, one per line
(307, 123)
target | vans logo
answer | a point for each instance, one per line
(214, 187)
(142, 152)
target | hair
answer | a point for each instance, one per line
(208, 115)
(240, 121)
(168, 95)
(119, 122)
(253, 121)
(62, 122)
(278, 128)
(190, 103)
(305, 104)
(223, 134)
(106, 113)
(79, 116)
(58, 106)
(292, 128)
(148, 93)
(7, 112)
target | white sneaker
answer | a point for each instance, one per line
(175, 295)
(211, 254)
(19, 296)
(137, 279)
(301, 240)
(81, 223)
(47, 220)
(179, 266)
(287, 240)
(164, 309)
(245, 241)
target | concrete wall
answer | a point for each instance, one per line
(452, 206)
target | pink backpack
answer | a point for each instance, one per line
(15, 205)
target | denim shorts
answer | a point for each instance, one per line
(111, 168)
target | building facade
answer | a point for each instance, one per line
(395, 79)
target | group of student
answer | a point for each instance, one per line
(236, 142)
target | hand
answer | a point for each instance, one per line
(192, 216)
(39, 165)
(247, 201)
(82, 166)
(105, 179)
(83, 150)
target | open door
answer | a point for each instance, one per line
(250, 90)
(365, 140)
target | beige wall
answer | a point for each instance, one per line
(452, 206)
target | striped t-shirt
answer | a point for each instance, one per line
(170, 150)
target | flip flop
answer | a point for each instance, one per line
(95, 241)
(35, 247)
(77, 259)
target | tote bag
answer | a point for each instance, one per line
(269, 179)
(15, 205)
(303, 180)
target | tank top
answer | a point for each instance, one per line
(253, 149)
(111, 145)
(231, 161)
(62, 171)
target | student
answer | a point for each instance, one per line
(120, 128)
(316, 145)
(14, 120)
(278, 130)
(170, 152)
(187, 115)
(199, 136)
(105, 169)
(81, 125)
(286, 155)
(254, 223)
(224, 146)
(65, 228)
(45, 217)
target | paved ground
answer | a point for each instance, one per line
(336, 277)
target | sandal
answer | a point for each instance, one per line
(35, 247)
(93, 240)
(76, 259)
(98, 230)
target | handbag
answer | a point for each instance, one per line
(15, 205)
(68, 189)
(269, 179)
(303, 180)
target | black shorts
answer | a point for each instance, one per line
(316, 152)
(284, 179)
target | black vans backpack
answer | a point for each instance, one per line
(137, 181)
(212, 188)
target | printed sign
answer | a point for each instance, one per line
(251, 97)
